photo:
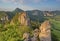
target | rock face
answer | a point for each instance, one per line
(35, 35)
(26, 37)
(48, 14)
(4, 19)
(45, 31)
(23, 19)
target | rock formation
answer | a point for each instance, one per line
(45, 31)
(35, 35)
(48, 14)
(26, 37)
(4, 19)
(23, 19)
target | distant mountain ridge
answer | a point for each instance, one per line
(35, 15)
(17, 10)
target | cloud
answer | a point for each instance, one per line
(22, 1)
(14, 1)
(27, 8)
(37, 1)
(19, 3)
(6, 9)
(25, 1)
(21, 7)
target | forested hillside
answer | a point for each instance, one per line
(12, 28)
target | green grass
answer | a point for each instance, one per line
(55, 29)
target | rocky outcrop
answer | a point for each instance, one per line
(49, 14)
(35, 35)
(26, 37)
(45, 31)
(21, 18)
(4, 19)
(41, 34)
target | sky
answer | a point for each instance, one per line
(9, 5)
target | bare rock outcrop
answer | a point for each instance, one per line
(45, 31)
(35, 35)
(21, 18)
(26, 37)
(4, 19)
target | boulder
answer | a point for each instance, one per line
(35, 35)
(26, 37)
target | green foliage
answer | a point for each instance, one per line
(54, 37)
(35, 24)
(1, 25)
(55, 29)
(2, 14)
(17, 10)
(23, 29)
(13, 33)
(57, 18)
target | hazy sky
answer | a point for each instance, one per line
(30, 4)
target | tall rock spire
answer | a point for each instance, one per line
(45, 31)
(23, 19)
